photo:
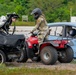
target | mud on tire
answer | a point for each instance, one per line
(23, 56)
(48, 55)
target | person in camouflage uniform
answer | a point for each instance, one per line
(41, 24)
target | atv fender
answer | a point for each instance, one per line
(45, 44)
(29, 51)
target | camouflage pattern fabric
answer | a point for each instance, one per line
(41, 26)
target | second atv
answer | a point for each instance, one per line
(12, 46)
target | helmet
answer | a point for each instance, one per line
(3, 19)
(36, 12)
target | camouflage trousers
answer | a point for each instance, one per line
(41, 36)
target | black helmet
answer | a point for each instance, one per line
(36, 12)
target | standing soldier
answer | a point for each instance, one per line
(41, 24)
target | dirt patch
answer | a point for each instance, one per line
(31, 64)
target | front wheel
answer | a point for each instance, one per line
(22, 55)
(2, 57)
(66, 55)
(48, 55)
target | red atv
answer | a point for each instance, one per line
(49, 51)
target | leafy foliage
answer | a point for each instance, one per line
(54, 10)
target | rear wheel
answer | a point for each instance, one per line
(66, 55)
(2, 57)
(48, 55)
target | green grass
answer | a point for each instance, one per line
(20, 23)
(33, 71)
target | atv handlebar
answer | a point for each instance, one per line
(31, 34)
(34, 34)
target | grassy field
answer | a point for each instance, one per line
(33, 71)
(21, 23)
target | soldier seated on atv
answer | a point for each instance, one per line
(41, 24)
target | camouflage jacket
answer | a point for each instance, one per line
(41, 24)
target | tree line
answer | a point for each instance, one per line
(54, 10)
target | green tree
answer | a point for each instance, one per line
(54, 10)
(48, 7)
